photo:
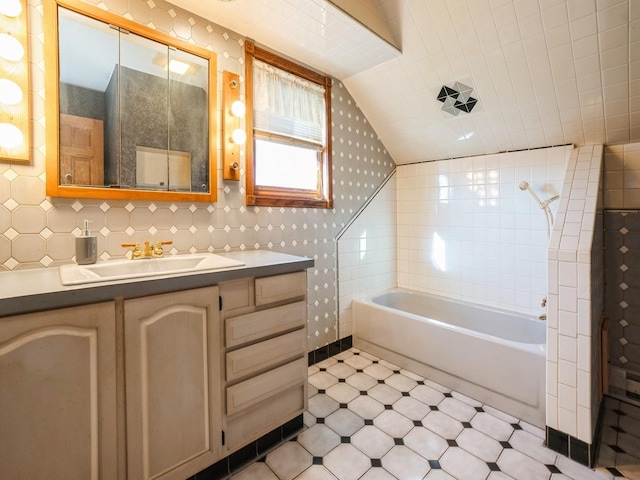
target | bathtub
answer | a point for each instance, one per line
(494, 356)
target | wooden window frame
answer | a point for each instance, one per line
(285, 197)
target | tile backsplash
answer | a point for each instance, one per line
(37, 231)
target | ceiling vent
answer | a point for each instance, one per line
(457, 99)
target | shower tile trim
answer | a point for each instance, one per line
(576, 304)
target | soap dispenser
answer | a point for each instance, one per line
(86, 247)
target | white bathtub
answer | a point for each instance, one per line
(494, 356)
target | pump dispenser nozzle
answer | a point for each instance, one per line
(86, 246)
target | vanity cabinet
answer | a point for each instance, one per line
(58, 394)
(143, 384)
(265, 355)
(172, 378)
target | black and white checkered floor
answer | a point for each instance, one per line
(371, 420)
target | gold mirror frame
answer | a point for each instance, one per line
(52, 108)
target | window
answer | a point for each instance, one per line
(288, 142)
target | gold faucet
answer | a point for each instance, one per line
(149, 250)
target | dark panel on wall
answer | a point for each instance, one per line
(622, 287)
(81, 102)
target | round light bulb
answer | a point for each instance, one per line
(10, 136)
(11, 8)
(10, 48)
(10, 92)
(238, 136)
(238, 109)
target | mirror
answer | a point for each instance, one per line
(130, 110)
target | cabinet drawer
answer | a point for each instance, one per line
(254, 422)
(260, 388)
(264, 355)
(280, 287)
(254, 326)
(237, 294)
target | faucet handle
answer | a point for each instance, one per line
(135, 249)
(159, 251)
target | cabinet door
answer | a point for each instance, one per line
(58, 394)
(172, 377)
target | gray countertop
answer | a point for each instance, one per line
(24, 291)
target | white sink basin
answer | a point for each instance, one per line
(122, 269)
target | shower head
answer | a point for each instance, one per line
(524, 185)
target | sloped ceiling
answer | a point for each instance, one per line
(545, 72)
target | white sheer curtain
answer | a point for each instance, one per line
(285, 104)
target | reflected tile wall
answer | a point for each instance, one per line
(367, 260)
(466, 231)
(37, 231)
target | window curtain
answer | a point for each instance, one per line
(287, 105)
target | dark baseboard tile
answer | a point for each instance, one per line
(571, 447)
(330, 350)
(254, 451)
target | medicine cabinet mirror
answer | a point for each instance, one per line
(130, 111)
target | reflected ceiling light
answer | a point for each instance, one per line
(466, 136)
(10, 92)
(11, 8)
(10, 48)
(176, 66)
(10, 136)
(238, 109)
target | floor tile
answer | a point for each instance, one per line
(366, 407)
(426, 443)
(403, 462)
(520, 466)
(442, 424)
(457, 409)
(479, 444)
(319, 440)
(427, 395)
(411, 408)
(461, 464)
(347, 462)
(289, 460)
(341, 370)
(342, 392)
(370, 420)
(384, 394)
(372, 441)
(314, 472)
(400, 382)
(393, 423)
(492, 426)
(344, 422)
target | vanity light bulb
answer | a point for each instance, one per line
(11, 8)
(10, 92)
(238, 136)
(238, 109)
(10, 48)
(10, 136)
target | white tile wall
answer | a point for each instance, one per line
(622, 175)
(576, 298)
(367, 254)
(465, 229)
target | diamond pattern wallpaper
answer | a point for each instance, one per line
(622, 284)
(37, 231)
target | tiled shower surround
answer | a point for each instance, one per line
(466, 231)
(37, 231)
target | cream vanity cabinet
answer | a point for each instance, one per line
(58, 394)
(172, 379)
(265, 355)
